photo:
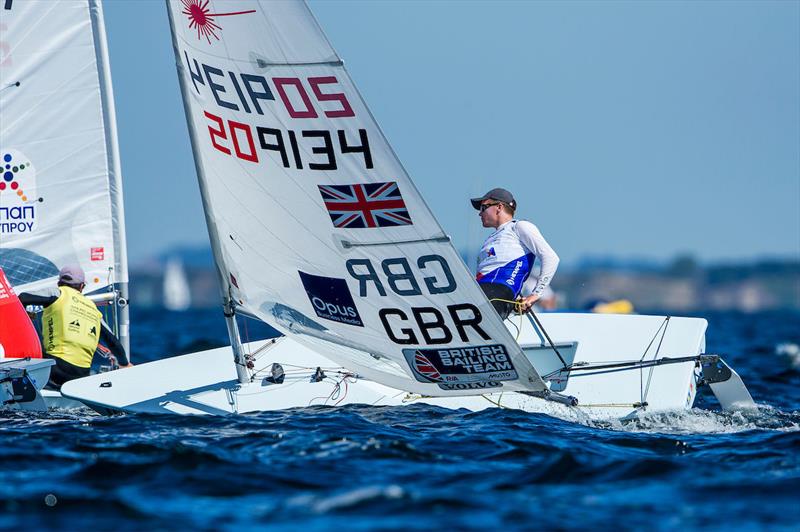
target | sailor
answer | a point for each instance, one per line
(507, 256)
(72, 327)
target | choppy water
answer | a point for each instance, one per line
(417, 467)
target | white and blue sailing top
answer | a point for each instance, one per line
(507, 257)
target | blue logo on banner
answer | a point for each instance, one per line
(331, 299)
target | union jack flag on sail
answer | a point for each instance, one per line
(365, 205)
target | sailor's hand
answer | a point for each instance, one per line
(130, 365)
(526, 303)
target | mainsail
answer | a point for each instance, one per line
(60, 184)
(316, 227)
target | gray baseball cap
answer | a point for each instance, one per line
(497, 194)
(71, 274)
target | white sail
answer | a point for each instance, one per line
(317, 228)
(177, 296)
(60, 188)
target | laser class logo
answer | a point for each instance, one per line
(18, 200)
(201, 19)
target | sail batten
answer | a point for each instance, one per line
(317, 228)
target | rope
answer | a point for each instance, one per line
(517, 309)
(642, 392)
(655, 357)
(336, 394)
(495, 403)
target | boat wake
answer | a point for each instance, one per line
(699, 421)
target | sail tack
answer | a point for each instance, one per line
(317, 228)
(60, 191)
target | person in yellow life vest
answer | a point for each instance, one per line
(71, 328)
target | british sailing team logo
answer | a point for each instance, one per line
(201, 18)
(18, 200)
(425, 368)
(475, 366)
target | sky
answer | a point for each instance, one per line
(624, 129)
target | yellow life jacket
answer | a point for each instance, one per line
(71, 328)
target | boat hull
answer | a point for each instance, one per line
(21, 382)
(206, 382)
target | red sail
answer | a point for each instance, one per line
(18, 337)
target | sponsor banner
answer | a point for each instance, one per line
(98, 254)
(365, 205)
(489, 386)
(18, 199)
(331, 299)
(462, 365)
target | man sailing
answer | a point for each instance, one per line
(507, 256)
(72, 328)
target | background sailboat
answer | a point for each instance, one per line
(177, 296)
(61, 187)
(60, 177)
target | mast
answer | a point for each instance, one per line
(120, 275)
(228, 303)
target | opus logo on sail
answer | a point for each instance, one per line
(331, 299)
(471, 365)
(18, 201)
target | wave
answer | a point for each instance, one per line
(699, 421)
(789, 352)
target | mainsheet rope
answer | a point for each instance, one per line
(518, 306)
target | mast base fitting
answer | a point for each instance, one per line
(318, 375)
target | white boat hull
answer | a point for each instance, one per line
(206, 382)
(21, 383)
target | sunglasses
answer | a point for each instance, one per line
(487, 205)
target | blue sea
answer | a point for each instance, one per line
(416, 467)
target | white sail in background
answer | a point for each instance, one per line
(177, 296)
(316, 227)
(60, 188)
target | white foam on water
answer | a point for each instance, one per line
(698, 421)
(789, 351)
(347, 499)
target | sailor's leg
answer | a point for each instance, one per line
(496, 292)
(62, 372)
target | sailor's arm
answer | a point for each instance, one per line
(532, 238)
(113, 343)
(28, 299)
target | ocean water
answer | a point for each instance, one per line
(416, 467)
